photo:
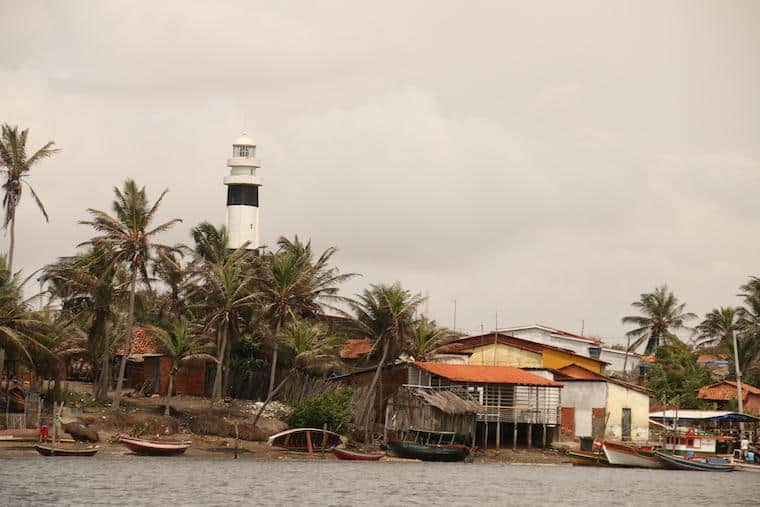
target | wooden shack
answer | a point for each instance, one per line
(431, 410)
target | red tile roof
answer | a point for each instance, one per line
(354, 348)
(143, 342)
(724, 391)
(486, 374)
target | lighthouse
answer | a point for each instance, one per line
(243, 194)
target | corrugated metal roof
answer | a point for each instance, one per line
(478, 374)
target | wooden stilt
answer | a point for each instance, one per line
(309, 447)
(514, 435)
(543, 436)
(485, 438)
(498, 418)
(530, 435)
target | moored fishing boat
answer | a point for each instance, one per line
(629, 456)
(305, 440)
(701, 463)
(155, 447)
(54, 450)
(345, 454)
(428, 446)
(580, 457)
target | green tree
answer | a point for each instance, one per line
(225, 296)
(718, 327)
(296, 285)
(89, 287)
(16, 166)
(384, 313)
(660, 316)
(332, 409)
(676, 377)
(130, 236)
(212, 244)
(426, 337)
(748, 340)
(181, 346)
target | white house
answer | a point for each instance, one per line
(597, 406)
(583, 345)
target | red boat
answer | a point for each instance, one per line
(345, 454)
(155, 447)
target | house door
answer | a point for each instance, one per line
(567, 422)
(626, 424)
(598, 422)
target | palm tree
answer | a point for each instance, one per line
(130, 238)
(16, 166)
(427, 336)
(21, 329)
(180, 346)
(224, 297)
(385, 313)
(179, 280)
(719, 326)
(211, 243)
(315, 353)
(661, 315)
(89, 286)
(295, 285)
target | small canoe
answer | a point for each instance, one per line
(588, 458)
(700, 464)
(50, 450)
(155, 447)
(427, 452)
(305, 440)
(345, 454)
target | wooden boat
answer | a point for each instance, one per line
(579, 457)
(702, 463)
(52, 450)
(630, 456)
(155, 447)
(305, 440)
(428, 446)
(345, 454)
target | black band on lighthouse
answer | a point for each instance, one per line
(243, 195)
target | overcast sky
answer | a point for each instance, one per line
(548, 161)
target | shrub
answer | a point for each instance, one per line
(332, 409)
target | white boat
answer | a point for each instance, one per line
(629, 456)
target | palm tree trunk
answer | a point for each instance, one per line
(167, 410)
(105, 372)
(275, 352)
(226, 366)
(366, 408)
(12, 246)
(2, 364)
(270, 398)
(128, 345)
(217, 392)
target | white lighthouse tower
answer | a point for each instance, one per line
(243, 194)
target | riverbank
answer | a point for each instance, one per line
(205, 447)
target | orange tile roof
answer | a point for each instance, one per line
(724, 391)
(486, 374)
(143, 342)
(354, 348)
(706, 358)
(575, 371)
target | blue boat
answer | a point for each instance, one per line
(700, 464)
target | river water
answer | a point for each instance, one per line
(133, 480)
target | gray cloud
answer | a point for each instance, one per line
(546, 161)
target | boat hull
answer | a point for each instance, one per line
(49, 450)
(674, 462)
(628, 456)
(155, 447)
(588, 458)
(305, 440)
(347, 455)
(426, 452)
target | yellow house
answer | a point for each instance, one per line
(498, 349)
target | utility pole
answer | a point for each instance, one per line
(739, 390)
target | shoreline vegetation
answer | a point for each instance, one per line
(264, 324)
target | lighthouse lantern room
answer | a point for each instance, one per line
(243, 194)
